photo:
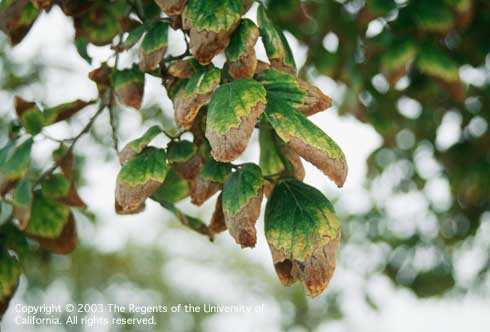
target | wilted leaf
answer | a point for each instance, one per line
(22, 203)
(184, 158)
(184, 68)
(129, 86)
(10, 271)
(307, 140)
(303, 235)
(218, 224)
(31, 118)
(210, 23)
(276, 45)
(65, 243)
(304, 97)
(173, 189)
(16, 19)
(102, 77)
(154, 46)
(242, 196)
(242, 60)
(134, 147)
(139, 178)
(172, 7)
(194, 95)
(64, 111)
(232, 114)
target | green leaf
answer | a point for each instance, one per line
(133, 37)
(436, 63)
(276, 45)
(173, 189)
(242, 196)
(303, 234)
(433, 17)
(211, 24)
(154, 46)
(215, 171)
(129, 86)
(82, 48)
(55, 187)
(17, 163)
(10, 271)
(232, 114)
(395, 60)
(286, 87)
(242, 60)
(136, 146)
(307, 140)
(194, 95)
(48, 217)
(22, 202)
(29, 115)
(139, 178)
(180, 151)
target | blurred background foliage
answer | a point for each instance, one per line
(418, 72)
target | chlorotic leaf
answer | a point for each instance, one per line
(242, 60)
(218, 224)
(48, 217)
(139, 178)
(303, 235)
(10, 271)
(23, 202)
(242, 196)
(232, 114)
(129, 86)
(304, 97)
(136, 146)
(173, 189)
(154, 46)
(194, 95)
(210, 23)
(276, 45)
(172, 7)
(307, 140)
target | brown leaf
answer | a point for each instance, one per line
(181, 69)
(11, 21)
(218, 224)
(150, 61)
(315, 272)
(242, 225)
(22, 105)
(22, 214)
(172, 7)
(42, 4)
(131, 199)
(131, 94)
(189, 169)
(315, 100)
(65, 243)
(72, 198)
(201, 189)
(244, 67)
(206, 44)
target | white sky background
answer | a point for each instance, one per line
(50, 42)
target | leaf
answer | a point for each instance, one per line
(139, 178)
(242, 196)
(81, 45)
(303, 235)
(210, 23)
(436, 63)
(154, 46)
(396, 59)
(276, 45)
(215, 171)
(129, 86)
(22, 203)
(64, 111)
(184, 158)
(172, 7)
(232, 114)
(48, 217)
(218, 224)
(433, 17)
(65, 243)
(133, 37)
(42, 4)
(304, 97)
(16, 19)
(184, 68)
(242, 60)
(10, 271)
(136, 146)
(307, 140)
(17, 162)
(194, 95)
(55, 187)
(173, 189)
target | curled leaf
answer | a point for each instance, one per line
(129, 86)
(303, 235)
(304, 97)
(307, 140)
(194, 95)
(242, 60)
(276, 45)
(242, 196)
(218, 224)
(172, 7)
(139, 178)
(154, 46)
(232, 114)
(210, 23)
(136, 146)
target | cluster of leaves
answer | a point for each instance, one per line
(220, 107)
